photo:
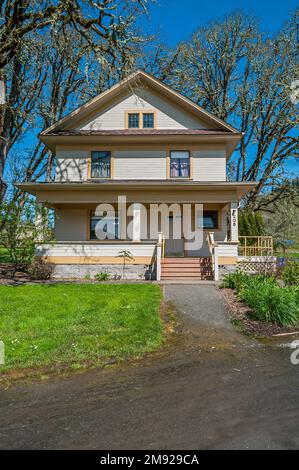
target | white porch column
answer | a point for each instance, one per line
(159, 256)
(39, 220)
(234, 232)
(136, 221)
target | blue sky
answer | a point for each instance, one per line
(176, 20)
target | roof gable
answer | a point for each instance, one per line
(176, 110)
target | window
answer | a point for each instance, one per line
(148, 120)
(133, 120)
(100, 164)
(210, 220)
(108, 224)
(180, 164)
(140, 120)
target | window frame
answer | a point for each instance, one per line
(141, 113)
(217, 227)
(90, 165)
(190, 165)
(91, 212)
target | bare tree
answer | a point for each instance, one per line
(104, 29)
(231, 69)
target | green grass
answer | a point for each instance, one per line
(46, 325)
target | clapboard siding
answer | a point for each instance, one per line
(169, 115)
(209, 165)
(70, 224)
(71, 165)
(139, 165)
(104, 249)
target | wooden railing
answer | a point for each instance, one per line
(256, 246)
(214, 255)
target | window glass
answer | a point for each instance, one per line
(209, 221)
(108, 223)
(148, 120)
(133, 120)
(179, 164)
(100, 164)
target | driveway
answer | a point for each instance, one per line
(200, 395)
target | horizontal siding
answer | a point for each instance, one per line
(209, 165)
(169, 115)
(139, 165)
(71, 165)
(228, 249)
(83, 250)
(70, 224)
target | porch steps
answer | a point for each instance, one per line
(186, 269)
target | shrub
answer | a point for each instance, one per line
(102, 276)
(268, 301)
(271, 303)
(40, 270)
(290, 274)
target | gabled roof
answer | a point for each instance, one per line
(131, 82)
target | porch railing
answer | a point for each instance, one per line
(214, 255)
(255, 246)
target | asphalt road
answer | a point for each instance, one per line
(226, 396)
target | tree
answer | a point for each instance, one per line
(126, 255)
(231, 69)
(105, 32)
(21, 234)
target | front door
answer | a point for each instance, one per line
(174, 247)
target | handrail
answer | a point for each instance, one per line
(159, 255)
(214, 254)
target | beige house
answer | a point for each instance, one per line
(146, 144)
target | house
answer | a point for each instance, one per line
(129, 150)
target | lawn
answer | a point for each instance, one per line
(73, 324)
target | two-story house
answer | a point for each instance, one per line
(148, 145)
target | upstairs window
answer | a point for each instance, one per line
(133, 120)
(148, 120)
(179, 164)
(100, 164)
(140, 120)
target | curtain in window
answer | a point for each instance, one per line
(179, 164)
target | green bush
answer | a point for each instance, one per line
(290, 274)
(102, 276)
(271, 303)
(268, 301)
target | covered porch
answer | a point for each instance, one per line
(76, 243)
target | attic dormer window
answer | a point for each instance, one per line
(140, 120)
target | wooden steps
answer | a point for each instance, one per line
(186, 269)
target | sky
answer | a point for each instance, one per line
(176, 20)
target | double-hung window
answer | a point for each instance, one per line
(179, 164)
(100, 164)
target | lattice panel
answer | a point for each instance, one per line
(257, 267)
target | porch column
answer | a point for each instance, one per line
(234, 232)
(39, 220)
(136, 221)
